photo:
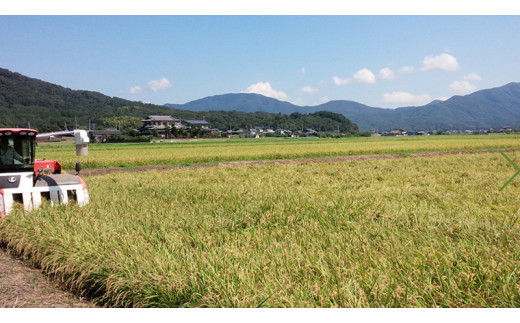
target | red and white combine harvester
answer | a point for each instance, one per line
(27, 180)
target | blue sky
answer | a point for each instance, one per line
(382, 61)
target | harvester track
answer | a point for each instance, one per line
(109, 170)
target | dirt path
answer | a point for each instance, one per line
(23, 286)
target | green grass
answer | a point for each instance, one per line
(427, 232)
(141, 154)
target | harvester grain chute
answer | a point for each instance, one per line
(28, 180)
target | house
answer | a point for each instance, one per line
(200, 123)
(310, 131)
(416, 133)
(102, 135)
(283, 132)
(395, 132)
(159, 123)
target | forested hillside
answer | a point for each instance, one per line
(44, 106)
(47, 107)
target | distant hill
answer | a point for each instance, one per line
(245, 102)
(48, 107)
(491, 108)
(26, 101)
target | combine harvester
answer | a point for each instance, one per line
(28, 180)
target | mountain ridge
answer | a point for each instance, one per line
(487, 108)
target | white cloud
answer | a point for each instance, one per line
(364, 76)
(407, 69)
(472, 77)
(386, 74)
(462, 87)
(406, 98)
(136, 89)
(303, 71)
(309, 89)
(264, 88)
(159, 85)
(339, 81)
(298, 101)
(444, 62)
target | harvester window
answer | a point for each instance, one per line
(16, 152)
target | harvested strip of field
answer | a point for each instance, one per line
(105, 171)
(409, 232)
(168, 154)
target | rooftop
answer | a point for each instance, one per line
(204, 122)
(160, 118)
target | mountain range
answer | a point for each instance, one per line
(31, 102)
(490, 108)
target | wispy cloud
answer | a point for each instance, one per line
(159, 85)
(406, 98)
(136, 89)
(265, 88)
(386, 74)
(407, 69)
(366, 76)
(444, 62)
(462, 87)
(309, 89)
(472, 77)
(302, 70)
(339, 81)
(465, 87)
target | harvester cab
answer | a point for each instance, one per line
(27, 180)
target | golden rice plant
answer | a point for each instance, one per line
(141, 154)
(412, 232)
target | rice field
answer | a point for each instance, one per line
(186, 153)
(411, 232)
